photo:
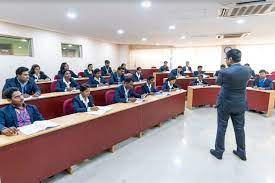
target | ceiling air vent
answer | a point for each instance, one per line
(232, 36)
(247, 8)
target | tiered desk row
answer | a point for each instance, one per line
(80, 136)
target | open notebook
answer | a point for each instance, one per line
(37, 126)
(101, 110)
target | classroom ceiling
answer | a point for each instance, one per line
(194, 20)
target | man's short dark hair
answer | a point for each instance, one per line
(165, 62)
(246, 64)
(128, 80)
(139, 68)
(222, 66)
(171, 78)
(199, 66)
(20, 70)
(180, 67)
(64, 71)
(150, 78)
(9, 91)
(235, 54)
(96, 70)
(200, 75)
(262, 71)
(107, 61)
(120, 68)
(84, 87)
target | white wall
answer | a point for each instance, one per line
(47, 51)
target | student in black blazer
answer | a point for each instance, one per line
(65, 67)
(148, 87)
(263, 83)
(117, 77)
(97, 80)
(170, 84)
(126, 71)
(89, 71)
(199, 71)
(84, 102)
(221, 68)
(67, 83)
(138, 75)
(37, 74)
(106, 70)
(23, 82)
(17, 113)
(199, 81)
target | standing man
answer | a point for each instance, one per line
(232, 103)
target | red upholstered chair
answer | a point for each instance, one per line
(68, 107)
(138, 89)
(109, 97)
(272, 77)
(80, 74)
(159, 88)
(153, 67)
(56, 77)
(53, 86)
(273, 73)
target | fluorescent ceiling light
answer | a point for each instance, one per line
(71, 15)
(146, 4)
(240, 21)
(172, 27)
(144, 39)
(120, 31)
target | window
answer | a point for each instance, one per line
(71, 50)
(15, 46)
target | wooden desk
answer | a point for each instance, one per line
(159, 76)
(258, 100)
(80, 136)
(45, 86)
(50, 105)
(185, 82)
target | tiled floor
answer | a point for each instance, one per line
(178, 152)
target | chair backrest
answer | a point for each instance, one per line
(159, 88)
(53, 86)
(55, 77)
(273, 73)
(109, 97)
(68, 107)
(138, 89)
(80, 74)
(272, 77)
(153, 67)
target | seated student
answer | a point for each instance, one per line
(97, 80)
(106, 70)
(221, 68)
(37, 75)
(253, 75)
(125, 92)
(65, 67)
(178, 72)
(170, 84)
(199, 71)
(164, 68)
(126, 71)
(187, 68)
(138, 75)
(89, 71)
(148, 87)
(23, 82)
(117, 77)
(84, 102)
(67, 83)
(263, 83)
(199, 81)
(16, 114)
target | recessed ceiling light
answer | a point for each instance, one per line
(19, 47)
(146, 4)
(240, 21)
(172, 27)
(183, 37)
(144, 39)
(70, 45)
(71, 15)
(120, 31)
